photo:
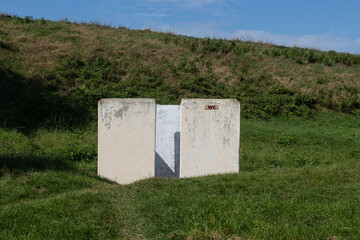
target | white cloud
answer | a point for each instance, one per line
(357, 42)
(191, 4)
(183, 3)
(327, 41)
(149, 15)
(206, 29)
(169, 15)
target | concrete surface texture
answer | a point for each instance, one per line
(210, 137)
(126, 139)
(167, 141)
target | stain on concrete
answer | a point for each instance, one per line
(119, 113)
(113, 112)
(107, 116)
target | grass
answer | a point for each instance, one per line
(60, 70)
(299, 179)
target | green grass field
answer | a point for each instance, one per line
(299, 179)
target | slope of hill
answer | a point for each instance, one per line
(59, 70)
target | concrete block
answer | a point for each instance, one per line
(126, 139)
(210, 136)
(167, 141)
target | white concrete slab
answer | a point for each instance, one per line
(126, 139)
(210, 136)
(167, 141)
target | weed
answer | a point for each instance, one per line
(310, 57)
(285, 140)
(28, 19)
(299, 60)
(321, 80)
(42, 20)
(74, 153)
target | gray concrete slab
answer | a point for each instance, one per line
(126, 139)
(210, 136)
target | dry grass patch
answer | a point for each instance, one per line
(36, 52)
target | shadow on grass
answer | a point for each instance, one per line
(27, 104)
(20, 163)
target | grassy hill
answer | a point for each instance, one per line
(300, 136)
(59, 70)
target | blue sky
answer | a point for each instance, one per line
(326, 25)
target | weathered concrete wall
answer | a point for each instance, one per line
(126, 139)
(210, 136)
(167, 141)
